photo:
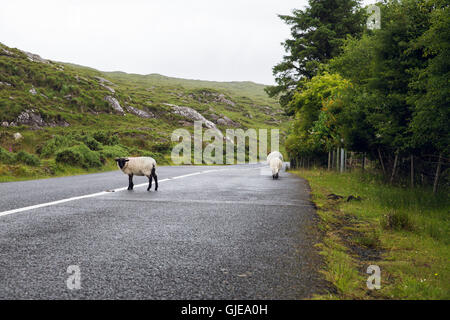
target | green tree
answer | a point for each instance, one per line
(317, 108)
(317, 34)
(431, 87)
(381, 66)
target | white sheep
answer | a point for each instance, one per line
(274, 154)
(275, 164)
(139, 166)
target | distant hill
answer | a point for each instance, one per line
(41, 99)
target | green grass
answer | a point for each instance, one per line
(405, 232)
(47, 169)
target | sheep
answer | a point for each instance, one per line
(275, 164)
(274, 154)
(139, 166)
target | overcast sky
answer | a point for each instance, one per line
(222, 40)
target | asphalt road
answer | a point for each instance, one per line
(229, 233)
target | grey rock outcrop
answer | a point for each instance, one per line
(221, 98)
(103, 80)
(7, 52)
(207, 96)
(106, 84)
(191, 114)
(194, 115)
(35, 58)
(225, 121)
(32, 118)
(139, 112)
(108, 88)
(114, 104)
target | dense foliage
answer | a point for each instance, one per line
(317, 34)
(384, 93)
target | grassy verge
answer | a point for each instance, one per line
(405, 232)
(47, 169)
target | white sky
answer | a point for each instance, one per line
(226, 40)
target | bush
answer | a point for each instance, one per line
(114, 151)
(57, 142)
(6, 157)
(80, 156)
(28, 159)
(397, 220)
(162, 147)
(92, 144)
(69, 156)
(106, 138)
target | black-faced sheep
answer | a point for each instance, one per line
(139, 166)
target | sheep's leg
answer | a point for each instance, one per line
(130, 182)
(149, 182)
(156, 178)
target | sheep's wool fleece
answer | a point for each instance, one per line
(274, 154)
(275, 164)
(139, 166)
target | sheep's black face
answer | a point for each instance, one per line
(121, 162)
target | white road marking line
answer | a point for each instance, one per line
(4, 213)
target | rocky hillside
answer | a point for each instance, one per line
(42, 100)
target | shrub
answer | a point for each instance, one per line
(114, 151)
(92, 144)
(69, 156)
(397, 220)
(106, 138)
(57, 142)
(6, 157)
(162, 147)
(80, 156)
(28, 159)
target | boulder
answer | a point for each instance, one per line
(191, 114)
(225, 121)
(194, 115)
(35, 58)
(17, 136)
(221, 98)
(103, 80)
(7, 52)
(138, 112)
(114, 104)
(32, 118)
(108, 88)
